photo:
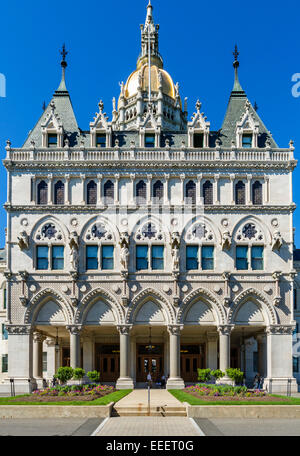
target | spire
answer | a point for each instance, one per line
(149, 32)
(237, 89)
(62, 89)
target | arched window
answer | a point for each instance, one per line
(158, 190)
(208, 192)
(190, 192)
(141, 191)
(91, 192)
(59, 193)
(257, 193)
(42, 193)
(109, 192)
(240, 196)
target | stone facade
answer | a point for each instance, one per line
(80, 204)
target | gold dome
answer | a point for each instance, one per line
(132, 83)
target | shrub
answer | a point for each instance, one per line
(217, 374)
(235, 374)
(94, 376)
(204, 375)
(64, 374)
(78, 373)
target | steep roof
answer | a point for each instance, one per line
(64, 110)
(236, 108)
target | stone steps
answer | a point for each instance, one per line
(143, 410)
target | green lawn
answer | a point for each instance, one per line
(112, 397)
(192, 400)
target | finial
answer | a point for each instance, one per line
(63, 53)
(236, 54)
(237, 86)
(101, 105)
(198, 105)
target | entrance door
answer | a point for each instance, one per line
(149, 362)
(192, 357)
(107, 362)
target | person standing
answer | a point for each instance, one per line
(149, 379)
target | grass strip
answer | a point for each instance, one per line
(111, 397)
(182, 396)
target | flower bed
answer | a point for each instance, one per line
(71, 392)
(225, 392)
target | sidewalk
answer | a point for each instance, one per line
(158, 398)
(148, 426)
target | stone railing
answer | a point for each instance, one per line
(143, 154)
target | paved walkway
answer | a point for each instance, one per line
(149, 426)
(158, 397)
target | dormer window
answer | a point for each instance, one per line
(149, 140)
(198, 140)
(100, 140)
(52, 140)
(247, 140)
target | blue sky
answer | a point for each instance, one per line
(103, 39)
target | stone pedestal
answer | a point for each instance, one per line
(279, 360)
(19, 360)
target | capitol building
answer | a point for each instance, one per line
(150, 241)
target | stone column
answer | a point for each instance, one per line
(50, 180)
(224, 356)
(232, 178)
(248, 189)
(52, 358)
(132, 199)
(149, 188)
(99, 190)
(216, 189)
(166, 189)
(117, 178)
(182, 177)
(212, 350)
(199, 199)
(124, 381)
(88, 354)
(262, 354)
(74, 345)
(279, 359)
(82, 177)
(37, 355)
(67, 198)
(175, 381)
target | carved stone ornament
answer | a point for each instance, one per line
(124, 329)
(276, 300)
(280, 329)
(226, 240)
(225, 330)
(174, 330)
(23, 240)
(276, 240)
(23, 300)
(74, 301)
(19, 329)
(74, 240)
(74, 330)
(175, 259)
(74, 258)
(124, 239)
(175, 240)
(124, 257)
(176, 301)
